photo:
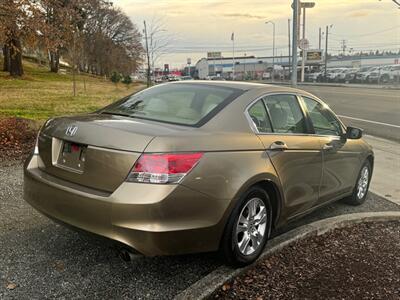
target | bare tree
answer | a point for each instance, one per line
(157, 40)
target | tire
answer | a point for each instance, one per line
(238, 233)
(358, 196)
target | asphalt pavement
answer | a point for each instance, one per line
(40, 259)
(377, 111)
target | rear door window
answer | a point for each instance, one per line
(286, 114)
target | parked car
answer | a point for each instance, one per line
(266, 75)
(333, 74)
(186, 78)
(174, 78)
(394, 73)
(363, 73)
(342, 76)
(351, 75)
(197, 166)
(314, 76)
(378, 73)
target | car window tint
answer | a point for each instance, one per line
(286, 115)
(259, 116)
(175, 103)
(210, 102)
(323, 120)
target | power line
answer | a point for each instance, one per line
(367, 34)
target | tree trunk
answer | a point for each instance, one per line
(6, 55)
(16, 69)
(54, 61)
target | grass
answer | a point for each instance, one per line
(41, 94)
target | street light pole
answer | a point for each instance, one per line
(294, 42)
(273, 48)
(326, 51)
(303, 59)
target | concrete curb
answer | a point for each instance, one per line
(211, 282)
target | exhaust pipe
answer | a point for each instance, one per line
(127, 255)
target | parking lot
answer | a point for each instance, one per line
(45, 260)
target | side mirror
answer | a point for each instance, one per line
(353, 133)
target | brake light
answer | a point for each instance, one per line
(163, 168)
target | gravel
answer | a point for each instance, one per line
(357, 262)
(40, 259)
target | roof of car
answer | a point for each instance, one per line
(241, 85)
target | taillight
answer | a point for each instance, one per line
(163, 168)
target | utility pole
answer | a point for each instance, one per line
(304, 5)
(148, 55)
(303, 58)
(326, 51)
(289, 45)
(273, 49)
(344, 46)
(294, 43)
(319, 40)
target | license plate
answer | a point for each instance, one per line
(72, 156)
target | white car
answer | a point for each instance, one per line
(333, 74)
(394, 73)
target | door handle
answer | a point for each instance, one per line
(327, 147)
(278, 145)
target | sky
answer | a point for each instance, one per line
(194, 27)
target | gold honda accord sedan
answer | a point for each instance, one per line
(197, 166)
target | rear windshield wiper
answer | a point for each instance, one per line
(115, 113)
(133, 115)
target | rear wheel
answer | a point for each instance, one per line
(248, 228)
(362, 185)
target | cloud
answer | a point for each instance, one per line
(360, 13)
(246, 16)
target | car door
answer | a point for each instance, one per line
(280, 123)
(339, 154)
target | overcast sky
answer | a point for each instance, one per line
(198, 26)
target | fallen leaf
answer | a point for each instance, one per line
(11, 286)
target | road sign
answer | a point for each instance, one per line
(304, 44)
(307, 4)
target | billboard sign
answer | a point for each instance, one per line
(214, 54)
(314, 56)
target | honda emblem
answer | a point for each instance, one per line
(71, 130)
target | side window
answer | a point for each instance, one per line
(286, 114)
(324, 122)
(259, 116)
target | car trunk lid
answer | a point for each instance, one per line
(95, 151)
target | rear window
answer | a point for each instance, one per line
(182, 104)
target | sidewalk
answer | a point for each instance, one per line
(386, 176)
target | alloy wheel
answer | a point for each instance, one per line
(251, 226)
(362, 185)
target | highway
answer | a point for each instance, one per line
(377, 111)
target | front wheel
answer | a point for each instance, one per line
(248, 228)
(362, 185)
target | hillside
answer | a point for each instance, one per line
(41, 94)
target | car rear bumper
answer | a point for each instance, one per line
(152, 219)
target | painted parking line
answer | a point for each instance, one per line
(369, 121)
